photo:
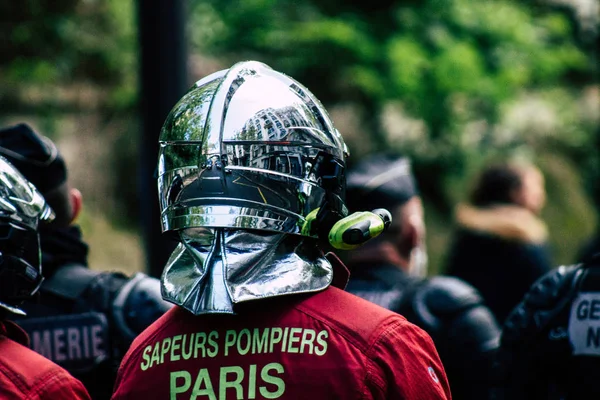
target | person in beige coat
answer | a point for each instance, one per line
(499, 245)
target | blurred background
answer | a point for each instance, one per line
(450, 83)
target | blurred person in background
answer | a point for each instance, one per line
(251, 179)
(550, 346)
(390, 271)
(24, 374)
(500, 243)
(84, 320)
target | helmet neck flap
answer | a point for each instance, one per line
(214, 268)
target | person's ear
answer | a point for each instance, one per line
(76, 203)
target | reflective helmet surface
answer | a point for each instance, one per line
(249, 147)
(22, 207)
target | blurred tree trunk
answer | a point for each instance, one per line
(163, 80)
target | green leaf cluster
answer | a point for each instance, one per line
(61, 42)
(456, 65)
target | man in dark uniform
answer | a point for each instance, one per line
(84, 320)
(390, 271)
(550, 346)
(260, 313)
(24, 374)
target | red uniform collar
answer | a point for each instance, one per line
(14, 332)
(340, 271)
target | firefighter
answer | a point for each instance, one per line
(82, 319)
(260, 311)
(24, 374)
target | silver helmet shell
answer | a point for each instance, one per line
(22, 207)
(20, 202)
(250, 148)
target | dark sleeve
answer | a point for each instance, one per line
(137, 305)
(132, 303)
(526, 264)
(464, 331)
(536, 260)
(517, 362)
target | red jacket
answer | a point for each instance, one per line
(328, 345)
(24, 374)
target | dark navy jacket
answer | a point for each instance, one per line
(452, 312)
(501, 251)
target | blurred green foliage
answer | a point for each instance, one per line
(448, 63)
(74, 62)
(450, 83)
(476, 81)
(49, 42)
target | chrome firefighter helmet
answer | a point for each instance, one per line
(249, 147)
(22, 207)
(250, 172)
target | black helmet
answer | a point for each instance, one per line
(21, 208)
